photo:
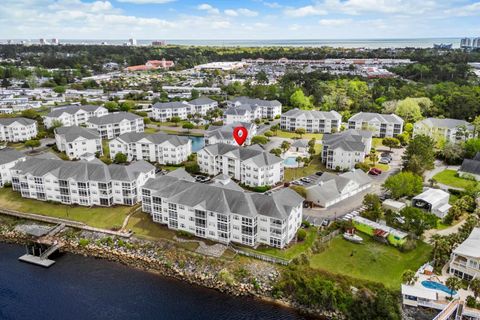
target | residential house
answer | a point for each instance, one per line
(8, 159)
(470, 168)
(182, 109)
(345, 149)
(80, 182)
(224, 134)
(160, 147)
(77, 141)
(269, 109)
(311, 120)
(465, 259)
(115, 124)
(434, 201)
(448, 130)
(202, 105)
(250, 165)
(222, 212)
(381, 125)
(73, 115)
(17, 129)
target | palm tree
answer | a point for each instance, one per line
(409, 277)
(475, 287)
(285, 145)
(453, 283)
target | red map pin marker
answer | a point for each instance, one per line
(240, 134)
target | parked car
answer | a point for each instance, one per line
(384, 160)
(386, 155)
(374, 171)
(306, 180)
(298, 183)
(319, 173)
(325, 223)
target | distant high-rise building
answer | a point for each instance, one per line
(55, 41)
(132, 42)
(43, 41)
(470, 43)
(476, 43)
(9, 41)
(159, 43)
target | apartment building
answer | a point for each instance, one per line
(202, 105)
(448, 130)
(268, 109)
(17, 129)
(115, 124)
(250, 165)
(242, 113)
(222, 212)
(224, 134)
(73, 115)
(167, 110)
(160, 147)
(78, 141)
(465, 259)
(8, 159)
(81, 182)
(381, 125)
(311, 121)
(345, 149)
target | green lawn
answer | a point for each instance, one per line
(143, 226)
(377, 142)
(293, 250)
(151, 130)
(448, 178)
(295, 173)
(371, 260)
(293, 135)
(99, 217)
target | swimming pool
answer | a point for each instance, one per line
(290, 161)
(438, 286)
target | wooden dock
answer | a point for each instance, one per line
(36, 260)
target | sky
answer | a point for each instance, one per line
(246, 19)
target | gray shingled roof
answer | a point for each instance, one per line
(254, 101)
(72, 109)
(258, 156)
(113, 118)
(156, 138)
(312, 114)
(9, 121)
(349, 140)
(470, 166)
(226, 131)
(219, 199)
(446, 123)
(74, 132)
(369, 116)
(170, 105)
(201, 101)
(8, 155)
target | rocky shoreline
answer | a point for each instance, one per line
(245, 278)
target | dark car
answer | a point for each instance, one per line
(319, 173)
(325, 223)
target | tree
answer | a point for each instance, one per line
(30, 114)
(300, 190)
(275, 128)
(188, 125)
(285, 145)
(127, 105)
(453, 153)
(111, 106)
(300, 131)
(474, 286)
(472, 146)
(373, 205)
(404, 184)
(419, 155)
(59, 89)
(410, 108)
(192, 167)
(195, 94)
(260, 140)
(409, 277)
(261, 77)
(373, 156)
(120, 158)
(175, 120)
(453, 283)
(276, 151)
(417, 221)
(391, 142)
(268, 134)
(33, 143)
(301, 235)
(299, 100)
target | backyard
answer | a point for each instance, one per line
(143, 226)
(314, 166)
(371, 260)
(449, 178)
(99, 217)
(293, 135)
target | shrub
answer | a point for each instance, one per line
(83, 242)
(301, 235)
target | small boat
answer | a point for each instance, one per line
(351, 236)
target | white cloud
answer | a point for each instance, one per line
(208, 8)
(356, 7)
(467, 10)
(147, 1)
(334, 22)
(273, 5)
(241, 12)
(305, 11)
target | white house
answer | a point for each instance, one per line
(311, 121)
(465, 259)
(224, 134)
(167, 110)
(269, 109)
(222, 212)
(73, 115)
(381, 125)
(160, 147)
(77, 141)
(80, 182)
(451, 130)
(17, 129)
(329, 189)
(434, 201)
(8, 159)
(345, 149)
(115, 124)
(250, 165)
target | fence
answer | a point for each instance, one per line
(329, 236)
(260, 256)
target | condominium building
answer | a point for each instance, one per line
(115, 124)
(202, 105)
(381, 125)
(448, 130)
(73, 115)
(224, 134)
(268, 109)
(242, 113)
(311, 121)
(160, 147)
(17, 129)
(465, 259)
(78, 141)
(223, 212)
(164, 111)
(81, 182)
(250, 165)
(345, 149)
(8, 159)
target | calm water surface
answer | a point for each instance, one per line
(85, 288)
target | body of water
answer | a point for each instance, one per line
(197, 143)
(342, 43)
(85, 288)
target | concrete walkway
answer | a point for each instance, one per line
(444, 232)
(439, 167)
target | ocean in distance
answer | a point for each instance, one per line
(342, 43)
(78, 288)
